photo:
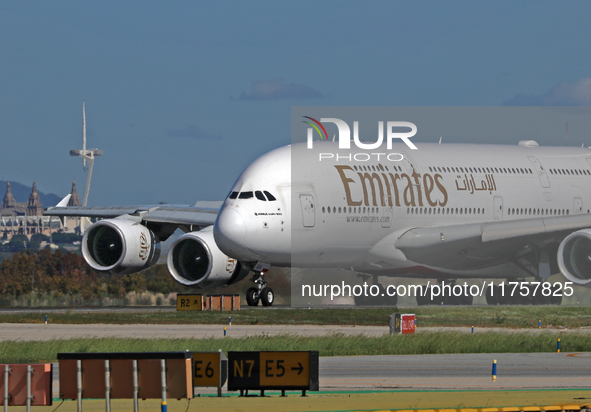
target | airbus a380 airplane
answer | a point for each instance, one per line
(445, 212)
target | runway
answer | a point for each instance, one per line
(40, 331)
(457, 371)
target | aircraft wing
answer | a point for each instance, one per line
(163, 219)
(481, 245)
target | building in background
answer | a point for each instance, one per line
(26, 218)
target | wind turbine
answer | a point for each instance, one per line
(87, 155)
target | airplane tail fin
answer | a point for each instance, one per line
(64, 201)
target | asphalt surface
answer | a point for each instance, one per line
(40, 331)
(457, 371)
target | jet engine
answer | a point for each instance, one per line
(195, 260)
(120, 246)
(574, 257)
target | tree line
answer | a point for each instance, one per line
(61, 272)
(65, 273)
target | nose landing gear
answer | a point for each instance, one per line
(260, 292)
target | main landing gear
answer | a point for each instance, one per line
(260, 292)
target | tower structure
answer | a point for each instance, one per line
(34, 207)
(87, 156)
(74, 198)
(9, 201)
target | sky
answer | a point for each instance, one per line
(181, 95)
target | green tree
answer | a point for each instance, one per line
(65, 238)
(134, 283)
(159, 280)
(39, 237)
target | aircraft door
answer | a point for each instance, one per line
(498, 208)
(308, 212)
(539, 169)
(578, 206)
(409, 164)
(386, 216)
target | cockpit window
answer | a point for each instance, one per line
(233, 195)
(245, 195)
(260, 195)
(270, 196)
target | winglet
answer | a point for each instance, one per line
(64, 201)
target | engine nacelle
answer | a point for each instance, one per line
(195, 260)
(120, 246)
(574, 257)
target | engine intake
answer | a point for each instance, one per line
(195, 260)
(574, 257)
(120, 246)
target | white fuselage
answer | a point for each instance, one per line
(332, 213)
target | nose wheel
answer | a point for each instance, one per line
(260, 292)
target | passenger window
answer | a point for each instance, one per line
(233, 195)
(245, 195)
(269, 196)
(260, 195)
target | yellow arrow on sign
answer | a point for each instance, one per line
(279, 369)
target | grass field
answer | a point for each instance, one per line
(511, 317)
(334, 345)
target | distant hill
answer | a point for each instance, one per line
(21, 194)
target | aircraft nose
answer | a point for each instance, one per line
(230, 232)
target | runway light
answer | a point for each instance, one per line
(494, 370)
